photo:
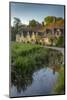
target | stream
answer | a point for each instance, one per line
(43, 82)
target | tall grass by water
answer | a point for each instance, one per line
(60, 86)
(27, 58)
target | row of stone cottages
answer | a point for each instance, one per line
(39, 34)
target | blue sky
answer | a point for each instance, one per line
(26, 12)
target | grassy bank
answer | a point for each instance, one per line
(32, 55)
(25, 59)
(59, 87)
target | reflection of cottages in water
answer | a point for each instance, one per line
(55, 60)
(41, 35)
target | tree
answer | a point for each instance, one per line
(52, 19)
(12, 34)
(49, 19)
(60, 22)
(17, 24)
(60, 41)
(59, 18)
(17, 27)
(42, 23)
(33, 23)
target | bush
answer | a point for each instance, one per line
(60, 42)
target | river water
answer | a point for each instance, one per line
(43, 82)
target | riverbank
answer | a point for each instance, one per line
(28, 58)
(60, 86)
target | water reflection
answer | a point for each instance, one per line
(22, 82)
(55, 58)
(42, 84)
(53, 70)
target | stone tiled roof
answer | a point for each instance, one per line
(41, 28)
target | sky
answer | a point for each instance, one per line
(26, 12)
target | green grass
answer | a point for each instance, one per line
(59, 88)
(27, 58)
(24, 51)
